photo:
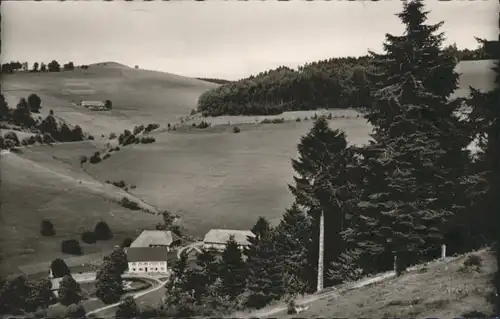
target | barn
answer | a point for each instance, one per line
(217, 238)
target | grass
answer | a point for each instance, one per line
(138, 96)
(212, 177)
(31, 192)
(443, 290)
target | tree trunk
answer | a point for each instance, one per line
(321, 251)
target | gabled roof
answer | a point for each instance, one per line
(221, 236)
(135, 254)
(155, 238)
(92, 103)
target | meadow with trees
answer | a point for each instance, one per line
(414, 187)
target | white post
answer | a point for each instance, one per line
(443, 251)
(321, 251)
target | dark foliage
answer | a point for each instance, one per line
(75, 311)
(125, 202)
(127, 309)
(71, 246)
(89, 237)
(35, 103)
(102, 231)
(68, 66)
(108, 283)
(151, 127)
(59, 268)
(69, 291)
(95, 158)
(126, 242)
(54, 66)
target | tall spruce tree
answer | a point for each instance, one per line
(416, 165)
(265, 279)
(325, 185)
(233, 269)
(485, 120)
(294, 247)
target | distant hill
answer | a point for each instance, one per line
(138, 96)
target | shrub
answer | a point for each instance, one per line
(133, 186)
(147, 140)
(47, 228)
(236, 129)
(13, 137)
(151, 127)
(330, 116)
(108, 104)
(193, 112)
(102, 231)
(127, 309)
(106, 156)
(193, 125)
(117, 149)
(96, 158)
(273, 121)
(31, 140)
(89, 237)
(75, 311)
(473, 262)
(83, 159)
(126, 242)
(297, 119)
(59, 268)
(203, 125)
(35, 103)
(138, 129)
(90, 137)
(125, 202)
(24, 142)
(112, 136)
(120, 184)
(69, 291)
(51, 112)
(71, 246)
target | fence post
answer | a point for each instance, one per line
(443, 251)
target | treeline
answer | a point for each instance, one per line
(415, 187)
(334, 83)
(217, 81)
(46, 130)
(52, 66)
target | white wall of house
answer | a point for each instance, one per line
(147, 266)
(217, 246)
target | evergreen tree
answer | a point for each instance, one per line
(69, 291)
(326, 184)
(41, 295)
(261, 227)
(22, 115)
(265, 279)
(485, 120)
(205, 273)
(59, 268)
(294, 246)
(127, 309)
(4, 109)
(118, 259)
(232, 269)
(416, 164)
(13, 295)
(108, 282)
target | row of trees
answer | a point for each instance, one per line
(52, 66)
(414, 187)
(22, 116)
(333, 83)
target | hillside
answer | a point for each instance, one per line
(138, 96)
(35, 187)
(441, 289)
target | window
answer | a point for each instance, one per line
(133, 269)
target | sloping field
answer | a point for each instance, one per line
(138, 96)
(218, 179)
(443, 289)
(31, 192)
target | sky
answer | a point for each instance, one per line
(221, 39)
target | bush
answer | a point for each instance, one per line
(138, 129)
(297, 119)
(236, 129)
(47, 228)
(69, 291)
(75, 311)
(126, 242)
(51, 112)
(120, 184)
(13, 137)
(59, 268)
(151, 127)
(125, 202)
(106, 156)
(108, 104)
(83, 159)
(102, 231)
(203, 125)
(147, 140)
(89, 237)
(273, 121)
(127, 309)
(71, 246)
(117, 149)
(133, 186)
(90, 137)
(473, 262)
(193, 125)
(330, 116)
(96, 158)
(112, 136)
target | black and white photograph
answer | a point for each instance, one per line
(250, 159)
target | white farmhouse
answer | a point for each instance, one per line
(93, 105)
(217, 238)
(147, 260)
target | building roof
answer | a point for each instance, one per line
(221, 236)
(155, 238)
(135, 254)
(100, 103)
